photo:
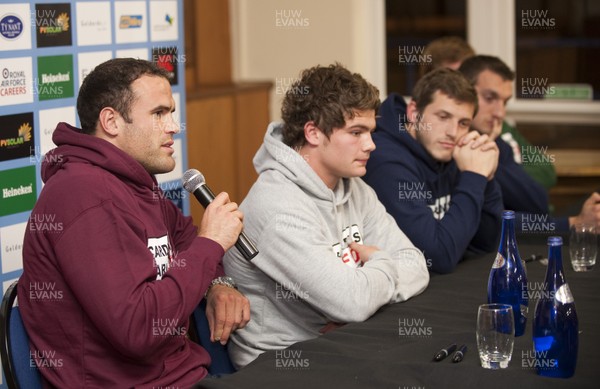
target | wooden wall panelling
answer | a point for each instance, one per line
(211, 146)
(212, 42)
(252, 119)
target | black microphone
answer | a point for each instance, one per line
(193, 182)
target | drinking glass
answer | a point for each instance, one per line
(495, 335)
(583, 246)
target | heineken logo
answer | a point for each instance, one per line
(58, 77)
(55, 80)
(21, 190)
(17, 190)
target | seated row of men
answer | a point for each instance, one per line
(131, 268)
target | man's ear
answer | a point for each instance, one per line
(412, 112)
(109, 121)
(312, 133)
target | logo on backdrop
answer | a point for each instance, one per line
(16, 136)
(15, 81)
(53, 24)
(163, 21)
(15, 26)
(11, 246)
(167, 58)
(130, 21)
(11, 27)
(55, 77)
(17, 190)
(93, 23)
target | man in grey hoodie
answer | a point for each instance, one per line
(329, 252)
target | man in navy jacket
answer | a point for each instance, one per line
(433, 175)
(493, 81)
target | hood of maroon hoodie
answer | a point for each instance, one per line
(73, 146)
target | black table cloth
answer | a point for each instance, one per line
(395, 347)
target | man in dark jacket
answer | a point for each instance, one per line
(493, 81)
(433, 175)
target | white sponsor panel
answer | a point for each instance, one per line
(16, 83)
(49, 118)
(88, 61)
(93, 23)
(164, 23)
(130, 22)
(133, 53)
(11, 239)
(15, 27)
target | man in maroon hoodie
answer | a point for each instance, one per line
(107, 292)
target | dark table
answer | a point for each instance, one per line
(394, 348)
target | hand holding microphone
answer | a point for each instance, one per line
(222, 221)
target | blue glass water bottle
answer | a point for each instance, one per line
(555, 325)
(508, 278)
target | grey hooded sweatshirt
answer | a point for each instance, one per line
(305, 276)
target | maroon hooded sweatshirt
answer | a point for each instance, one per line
(112, 272)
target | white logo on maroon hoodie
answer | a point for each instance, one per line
(161, 250)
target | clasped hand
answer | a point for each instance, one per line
(476, 153)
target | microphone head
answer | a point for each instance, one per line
(192, 179)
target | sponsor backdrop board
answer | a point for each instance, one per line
(47, 48)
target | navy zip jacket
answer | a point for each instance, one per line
(442, 210)
(524, 195)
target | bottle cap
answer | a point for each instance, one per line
(555, 241)
(507, 214)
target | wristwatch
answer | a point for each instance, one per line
(225, 280)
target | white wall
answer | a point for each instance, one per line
(266, 47)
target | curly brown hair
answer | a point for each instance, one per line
(328, 96)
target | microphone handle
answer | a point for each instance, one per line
(204, 195)
(244, 245)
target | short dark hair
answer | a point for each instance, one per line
(328, 96)
(449, 82)
(109, 85)
(446, 49)
(473, 66)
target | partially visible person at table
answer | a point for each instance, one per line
(493, 81)
(329, 252)
(106, 294)
(446, 52)
(450, 52)
(434, 176)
